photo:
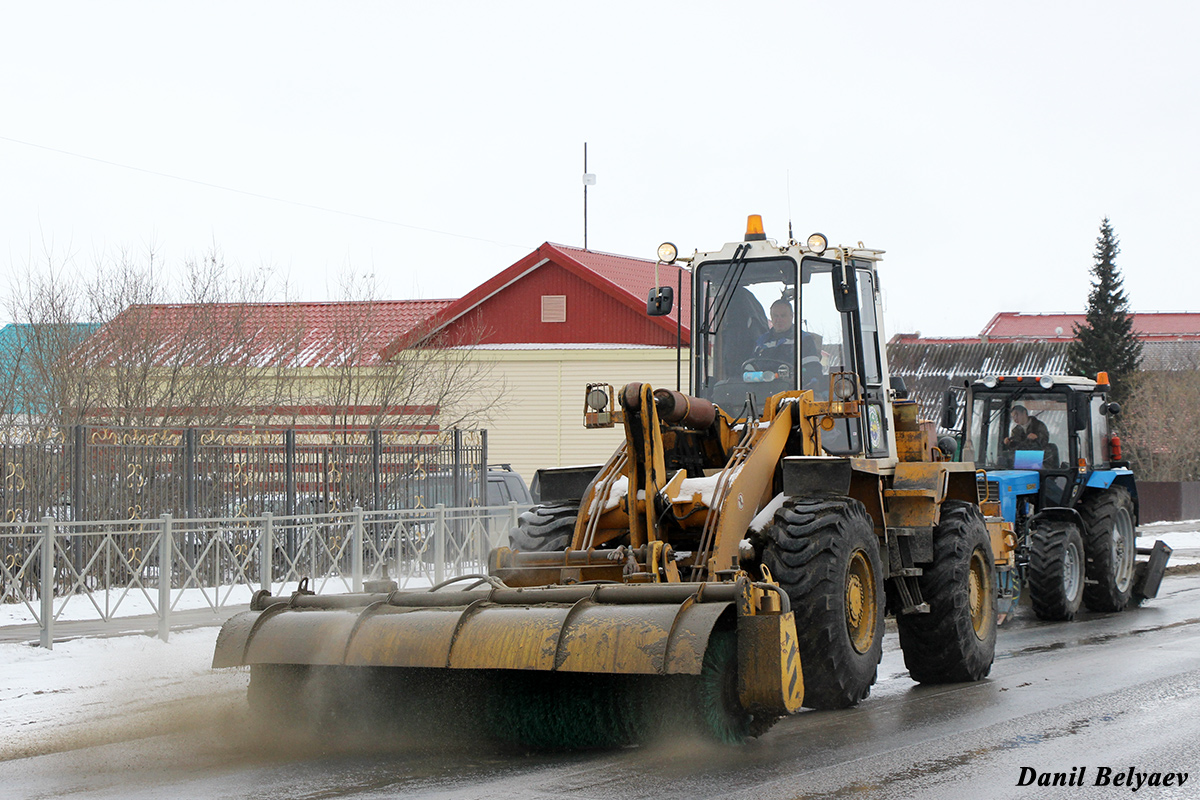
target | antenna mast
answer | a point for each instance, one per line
(588, 180)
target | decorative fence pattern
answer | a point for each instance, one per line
(103, 570)
(106, 473)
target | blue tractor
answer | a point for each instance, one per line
(1055, 470)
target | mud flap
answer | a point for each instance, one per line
(1149, 574)
(769, 678)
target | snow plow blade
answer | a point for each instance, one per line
(1149, 573)
(597, 629)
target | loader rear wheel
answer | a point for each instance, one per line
(956, 640)
(1110, 546)
(545, 528)
(824, 553)
(1056, 570)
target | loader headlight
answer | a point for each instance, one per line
(817, 243)
(843, 387)
(667, 253)
(990, 381)
(597, 399)
(1046, 382)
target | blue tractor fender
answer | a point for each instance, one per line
(1059, 514)
(1119, 476)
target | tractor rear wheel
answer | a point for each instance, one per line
(1110, 546)
(1056, 570)
(824, 553)
(545, 528)
(956, 640)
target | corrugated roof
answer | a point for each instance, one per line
(289, 334)
(1150, 325)
(635, 277)
(930, 367)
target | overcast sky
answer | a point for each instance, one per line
(979, 144)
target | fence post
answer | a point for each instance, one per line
(166, 540)
(439, 543)
(48, 582)
(356, 558)
(266, 568)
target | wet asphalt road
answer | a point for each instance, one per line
(1116, 691)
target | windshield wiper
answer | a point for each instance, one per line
(738, 263)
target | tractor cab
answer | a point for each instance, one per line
(1047, 437)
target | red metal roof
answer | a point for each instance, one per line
(1150, 326)
(291, 334)
(606, 301)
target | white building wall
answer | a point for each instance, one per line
(540, 423)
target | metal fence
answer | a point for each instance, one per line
(60, 570)
(105, 473)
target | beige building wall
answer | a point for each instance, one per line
(540, 423)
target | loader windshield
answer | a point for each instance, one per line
(761, 328)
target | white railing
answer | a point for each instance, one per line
(52, 571)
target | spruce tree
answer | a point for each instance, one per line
(1106, 341)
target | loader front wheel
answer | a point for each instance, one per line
(824, 553)
(956, 640)
(1056, 570)
(1110, 546)
(545, 528)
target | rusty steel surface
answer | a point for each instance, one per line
(613, 629)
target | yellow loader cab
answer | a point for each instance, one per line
(730, 563)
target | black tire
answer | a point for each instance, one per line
(824, 553)
(545, 528)
(1056, 566)
(1110, 546)
(956, 640)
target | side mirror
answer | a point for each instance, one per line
(1112, 409)
(661, 299)
(845, 287)
(949, 410)
(1083, 415)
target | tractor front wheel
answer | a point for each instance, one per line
(1056, 570)
(824, 553)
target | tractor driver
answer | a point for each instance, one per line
(1028, 433)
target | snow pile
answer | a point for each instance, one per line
(763, 519)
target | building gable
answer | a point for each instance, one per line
(560, 295)
(552, 306)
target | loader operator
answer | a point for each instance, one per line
(779, 342)
(1027, 432)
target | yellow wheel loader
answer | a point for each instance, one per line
(731, 562)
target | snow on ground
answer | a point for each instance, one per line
(91, 691)
(1185, 544)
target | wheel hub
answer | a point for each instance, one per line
(861, 603)
(977, 593)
